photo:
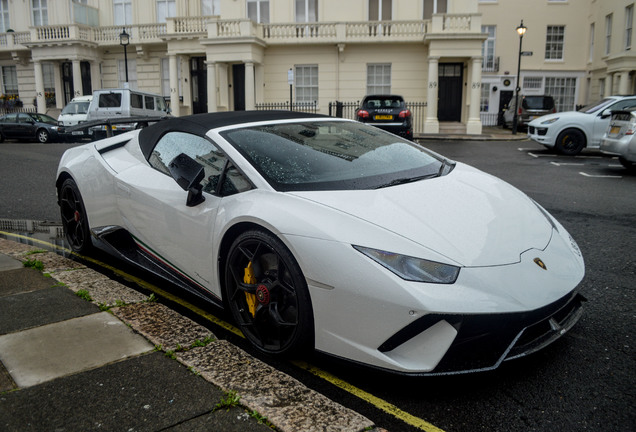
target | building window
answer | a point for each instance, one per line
(132, 73)
(629, 19)
(608, 33)
(166, 9)
(532, 83)
(554, 43)
(563, 91)
(4, 16)
(258, 11)
(9, 80)
(210, 7)
(434, 7)
(601, 89)
(40, 12)
(484, 100)
(306, 10)
(488, 49)
(380, 10)
(122, 11)
(306, 78)
(591, 56)
(378, 79)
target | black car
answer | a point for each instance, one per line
(388, 112)
(28, 126)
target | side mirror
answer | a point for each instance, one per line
(606, 113)
(188, 174)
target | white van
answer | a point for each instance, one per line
(118, 103)
(75, 112)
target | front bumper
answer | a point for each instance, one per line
(541, 134)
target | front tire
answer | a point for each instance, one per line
(43, 136)
(630, 166)
(74, 218)
(570, 142)
(267, 294)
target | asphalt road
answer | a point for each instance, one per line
(583, 382)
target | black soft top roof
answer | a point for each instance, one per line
(199, 124)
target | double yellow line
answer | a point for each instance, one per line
(377, 402)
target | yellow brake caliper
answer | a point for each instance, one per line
(249, 278)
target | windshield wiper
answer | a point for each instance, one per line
(399, 181)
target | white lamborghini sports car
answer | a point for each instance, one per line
(329, 234)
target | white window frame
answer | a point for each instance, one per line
(306, 83)
(532, 83)
(484, 99)
(122, 12)
(629, 22)
(39, 12)
(384, 9)
(132, 73)
(608, 33)
(488, 48)
(306, 10)
(378, 78)
(165, 9)
(210, 7)
(10, 80)
(5, 24)
(258, 11)
(555, 42)
(563, 90)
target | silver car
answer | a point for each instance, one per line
(619, 139)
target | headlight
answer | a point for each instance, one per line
(413, 269)
(547, 122)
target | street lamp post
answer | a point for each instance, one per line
(521, 30)
(124, 40)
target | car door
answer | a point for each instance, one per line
(9, 125)
(25, 127)
(154, 207)
(602, 120)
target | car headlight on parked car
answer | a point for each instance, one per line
(550, 121)
(411, 268)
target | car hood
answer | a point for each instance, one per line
(467, 216)
(565, 115)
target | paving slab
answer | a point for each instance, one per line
(44, 353)
(146, 393)
(8, 263)
(44, 306)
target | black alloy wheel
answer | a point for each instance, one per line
(74, 218)
(43, 136)
(570, 142)
(268, 295)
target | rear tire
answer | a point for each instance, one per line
(570, 142)
(74, 219)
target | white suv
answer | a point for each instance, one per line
(570, 132)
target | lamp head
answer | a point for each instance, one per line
(124, 38)
(521, 30)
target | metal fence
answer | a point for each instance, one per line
(308, 107)
(4, 111)
(348, 110)
(489, 119)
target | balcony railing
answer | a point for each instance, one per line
(212, 27)
(490, 64)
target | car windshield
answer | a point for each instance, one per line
(383, 102)
(333, 155)
(596, 106)
(76, 108)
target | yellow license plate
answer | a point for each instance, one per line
(384, 117)
(614, 130)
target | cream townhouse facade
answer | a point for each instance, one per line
(457, 59)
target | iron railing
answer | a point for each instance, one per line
(308, 107)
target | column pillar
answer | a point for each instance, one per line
(212, 102)
(473, 126)
(173, 64)
(249, 86)
(623, 83)
(77, 79)
(39, 87)
(431, 124)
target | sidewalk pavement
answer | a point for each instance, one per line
(67, 364)
(489, 133)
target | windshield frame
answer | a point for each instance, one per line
(597, 106)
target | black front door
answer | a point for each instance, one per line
(504, 100)
(449, 107)
(238, 80)
(67, 81)
(199, 79)
(87, 86)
